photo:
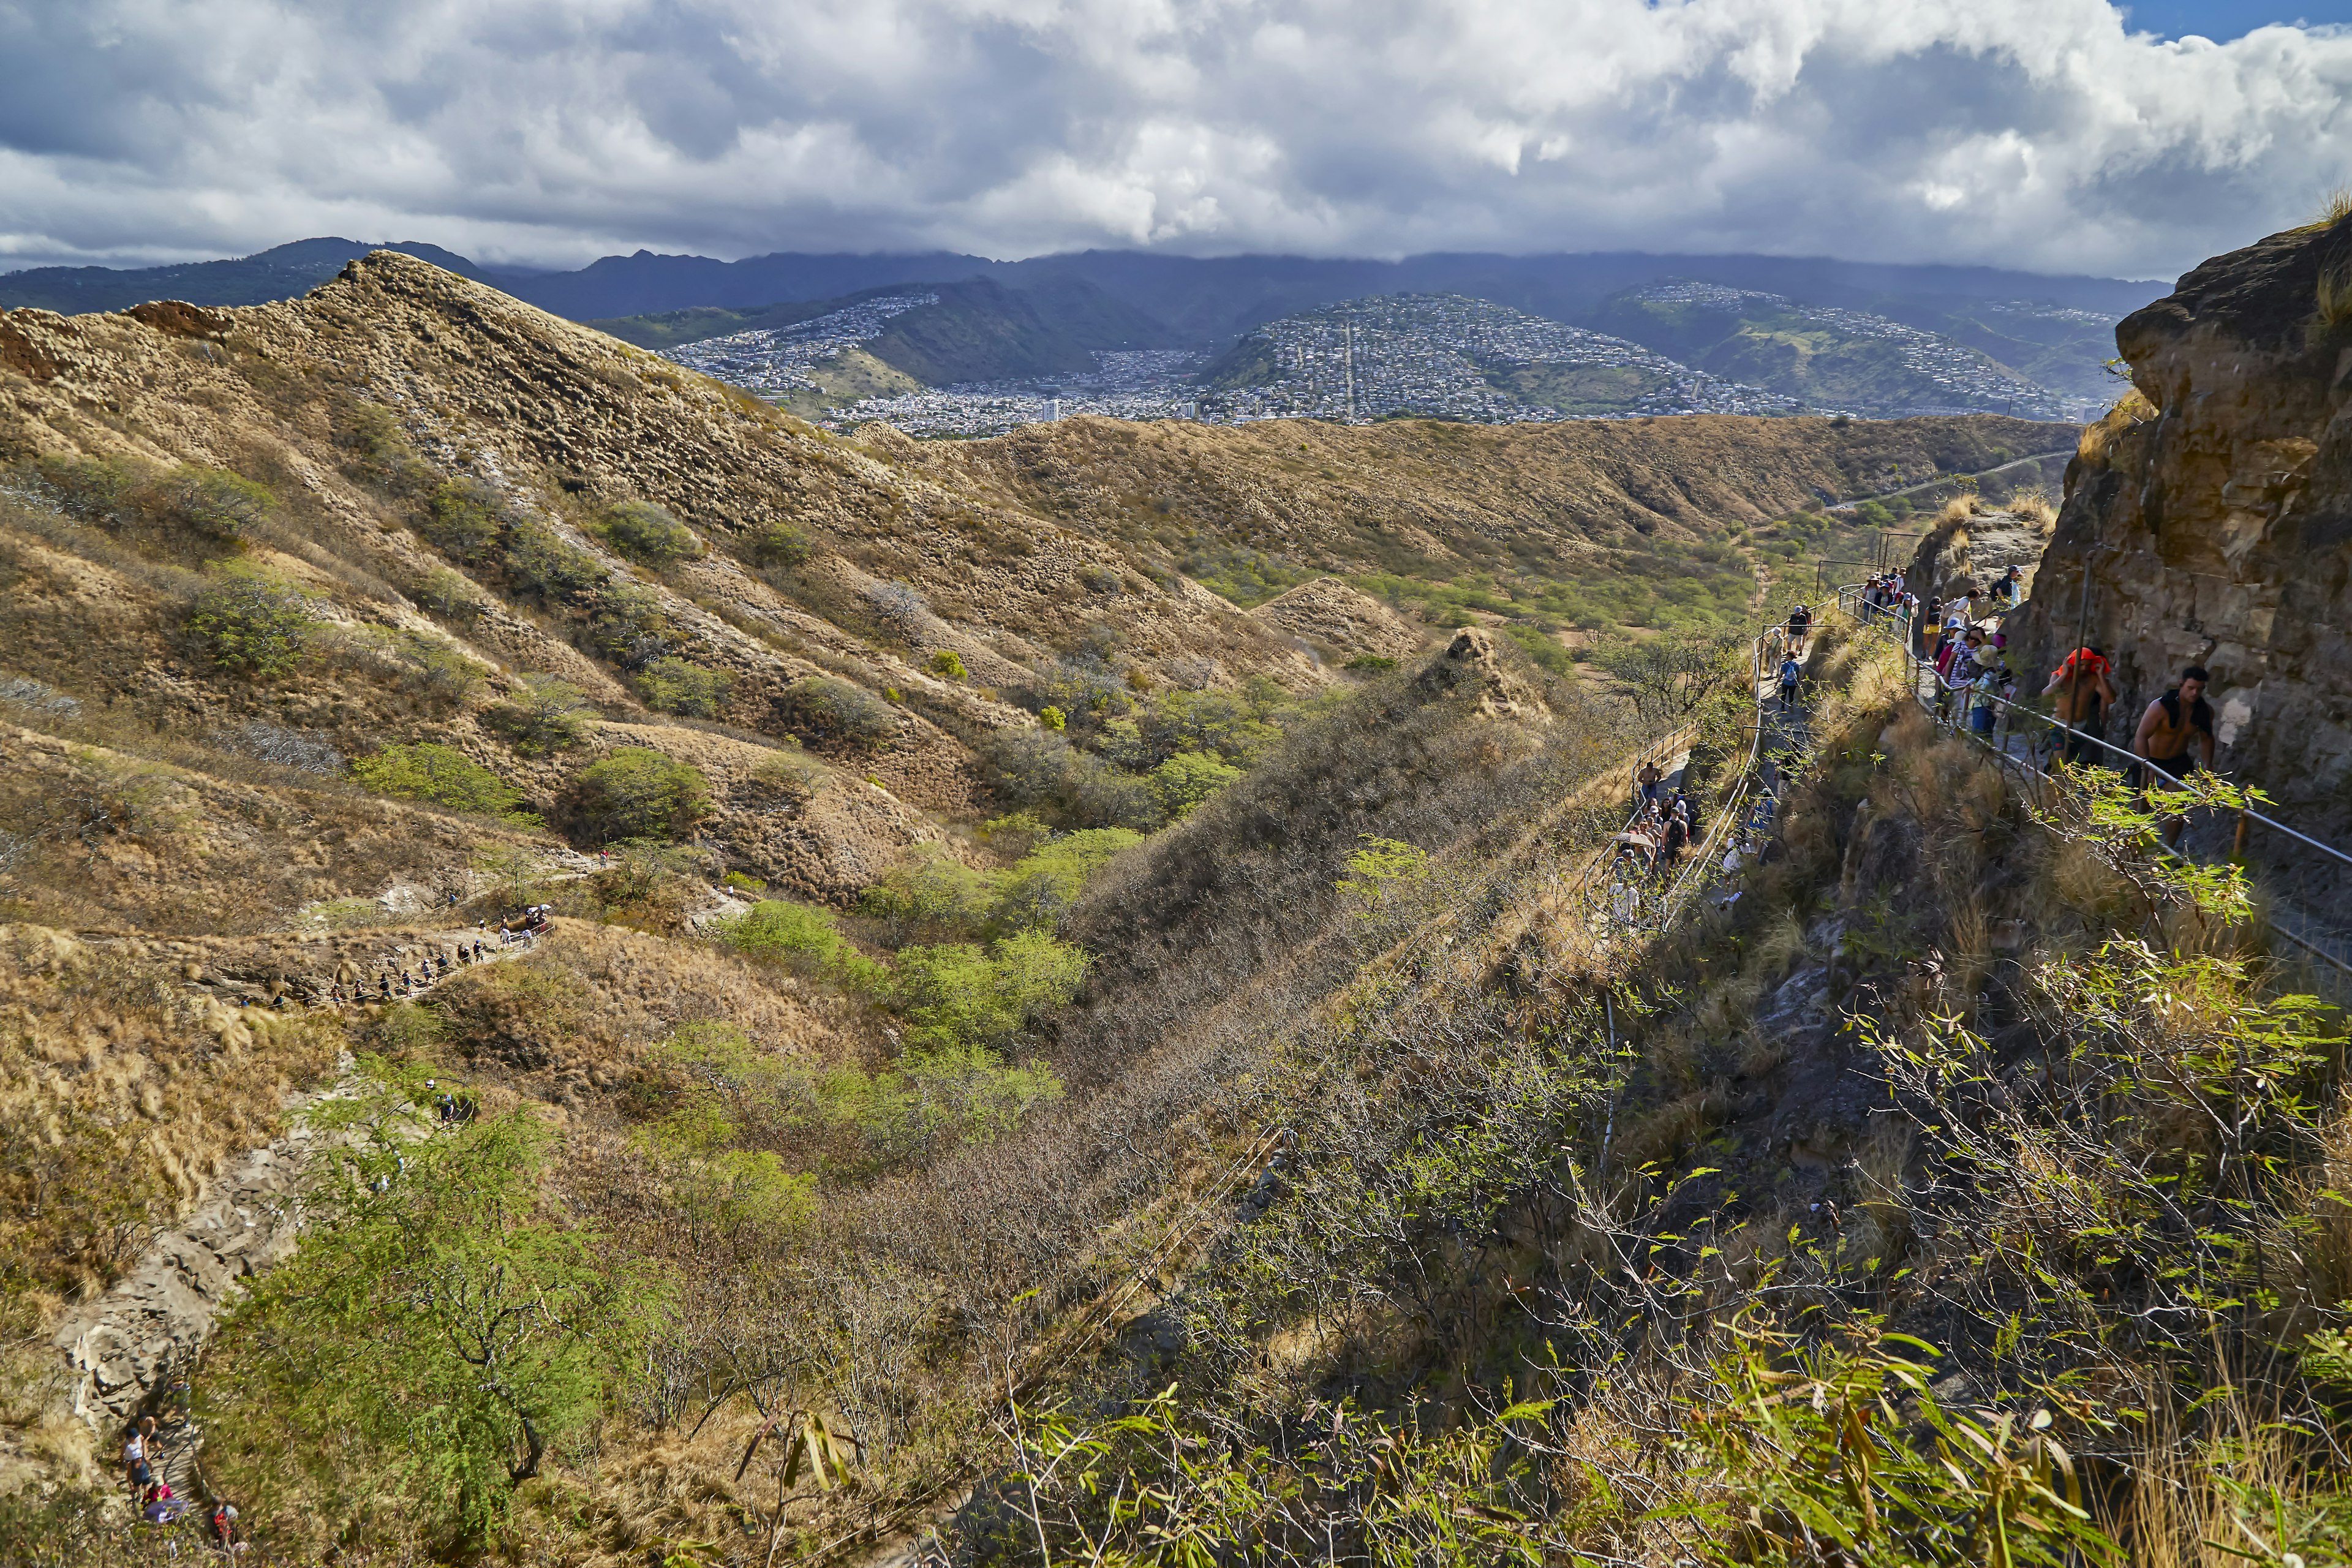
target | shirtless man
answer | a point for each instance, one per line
(2081, 694)
(2174, 723)
(1649, 780)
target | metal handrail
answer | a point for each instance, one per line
(1736, 795)
(1875, 618)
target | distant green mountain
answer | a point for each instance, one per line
(1861, 362)
(972, 330)
(279, 274)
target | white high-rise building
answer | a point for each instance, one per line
(1052, 409)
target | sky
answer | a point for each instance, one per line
(2054, 135)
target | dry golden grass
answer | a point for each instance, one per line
(2099, 437)
(2332, 296)
(2333, 209)
(2035, 507)
(121, 1098)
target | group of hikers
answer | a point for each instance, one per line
(145, 1445)
(395, 979)
(1961, 641)
(1663, 824)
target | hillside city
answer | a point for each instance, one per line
(1975, 383)
(775, 362)
(1435, 355)
(1445, 356)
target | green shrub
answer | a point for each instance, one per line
(381, 452)
(342, 914)
(948, 663)
(638, 792)
(1188, 778)
(214, 501)
(789, 776)
(1037, 892)
(251, 620)
(443, 776)
(630, 627)
(537, 563)
(1369, 663)
(542, 714)
(671, 685)
(1039, 771)
(96, 490)
(933, 1100)
(648, 533)
(443, 674)
(448, 595)
(779, 543)
(803, 937)
(829, 713)
(958, 994)
(465, 518)
(1053, 719)
(1545, 649)
(929, 893)
(467, 1334)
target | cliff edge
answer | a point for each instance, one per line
(2212, 513)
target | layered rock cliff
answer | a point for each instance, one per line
(2212, 514)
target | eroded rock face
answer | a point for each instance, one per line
(1978, 554)
(2217, 528)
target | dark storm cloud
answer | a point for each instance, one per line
(2028, 133)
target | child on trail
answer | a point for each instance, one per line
(1982, 708)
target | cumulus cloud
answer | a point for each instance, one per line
(2037, 133)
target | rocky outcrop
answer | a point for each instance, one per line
(1978, 551)
(2213, 515)
(1472, 666)
(1346, 621)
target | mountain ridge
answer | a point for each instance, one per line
(1206, 299)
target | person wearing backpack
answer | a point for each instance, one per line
(2175, 738)
(1790, 673)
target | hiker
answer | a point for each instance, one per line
(226, 1536)
(2011, 588)
(2082, 694)
(1671, 850)
(1624, 903)
(1790, 673)
(1983, 708)
(1800, 625)
(136, 1470)
(2175, 737)
(1648, 779)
